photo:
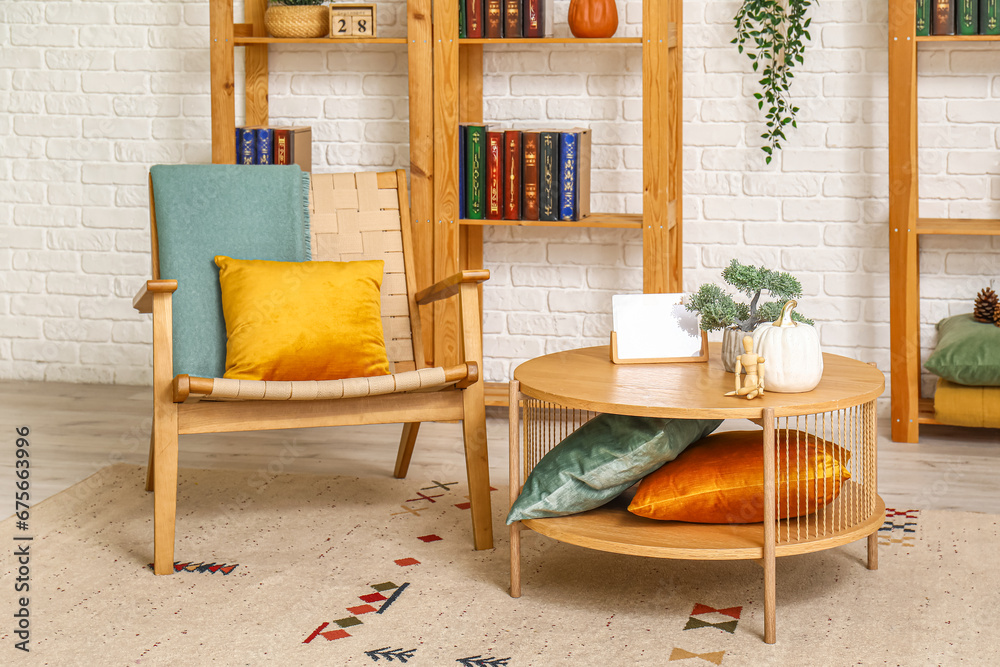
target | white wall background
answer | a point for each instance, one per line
(93, 93)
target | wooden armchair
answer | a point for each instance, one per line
(352, 217)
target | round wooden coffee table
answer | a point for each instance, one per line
(560, 392)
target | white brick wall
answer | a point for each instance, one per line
(93, 93)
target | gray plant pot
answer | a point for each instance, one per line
(732, 347)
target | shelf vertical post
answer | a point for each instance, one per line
(222, 82)
(446, 216)
(419, 49)
(904, 293)
(661, 138)
(255, 61)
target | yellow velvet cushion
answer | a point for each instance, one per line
(720, 479)
(302, 320)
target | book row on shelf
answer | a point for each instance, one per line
(274, 145)
(523, 175)
(498, 19)
(957, 17)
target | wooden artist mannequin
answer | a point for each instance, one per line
(753, 384)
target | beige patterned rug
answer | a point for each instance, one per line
(302, 570)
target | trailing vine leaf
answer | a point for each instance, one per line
(772, 34)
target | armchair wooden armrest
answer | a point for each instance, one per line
(451, 285)
(143, 300)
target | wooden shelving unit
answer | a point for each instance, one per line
(226, 34)
(458, 97)
(446, 87)
(905, 227)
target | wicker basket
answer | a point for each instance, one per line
(298, 21)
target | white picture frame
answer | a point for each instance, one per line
(655, 328)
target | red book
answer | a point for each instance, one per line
(282, 147)
(473, 18)
(534, 21)
(512, 175)
(529, 173)
(494, 19)
(494, 178)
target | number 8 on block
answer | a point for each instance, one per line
(352, 21)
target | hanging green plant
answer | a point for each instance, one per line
(772, 33)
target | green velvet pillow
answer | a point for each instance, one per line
(204, 210)
(968, 352)
(602, 458)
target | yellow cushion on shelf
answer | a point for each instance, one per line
(720, 479)
(961, 405)
(302, 320)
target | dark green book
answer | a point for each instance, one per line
(475, 171)
(989, 22)
(923, 17)
(548, 176)
(968, 17)
(461, 19)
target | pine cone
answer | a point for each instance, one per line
(986, 309)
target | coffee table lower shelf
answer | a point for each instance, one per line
(613, 528)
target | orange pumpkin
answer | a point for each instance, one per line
(593, 18)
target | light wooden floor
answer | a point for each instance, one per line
(78, 429)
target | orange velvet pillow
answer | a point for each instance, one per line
(720, 479)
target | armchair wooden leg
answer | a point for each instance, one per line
(477, 465)
(406, 442)
(152, 457)
(165, 495)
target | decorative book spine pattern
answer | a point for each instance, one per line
(989, 22)
(512, 175)
(265, 146)
(548, 176)
(247, 146)
(924, 17)
(512, 18)
(968, 17)
(534, 19)
(567, 175)
(475, 185)
(944, 17)
(529, 174)
(282, 147)
(494, 19)
(474, 18)
(494, 177)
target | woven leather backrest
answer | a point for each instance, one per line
(356, 217)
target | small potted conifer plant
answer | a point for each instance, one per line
(297, 18)
(719, 310)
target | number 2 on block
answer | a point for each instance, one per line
(342, 27)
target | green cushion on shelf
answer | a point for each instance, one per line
(968, 352)
(204, 210)
(602, 458)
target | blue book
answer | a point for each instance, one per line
(568, 175)
(265, 146)
(246, 146)
(461, 169)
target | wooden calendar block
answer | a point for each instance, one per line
(353, 21)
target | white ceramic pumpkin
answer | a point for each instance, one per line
(793, 360)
